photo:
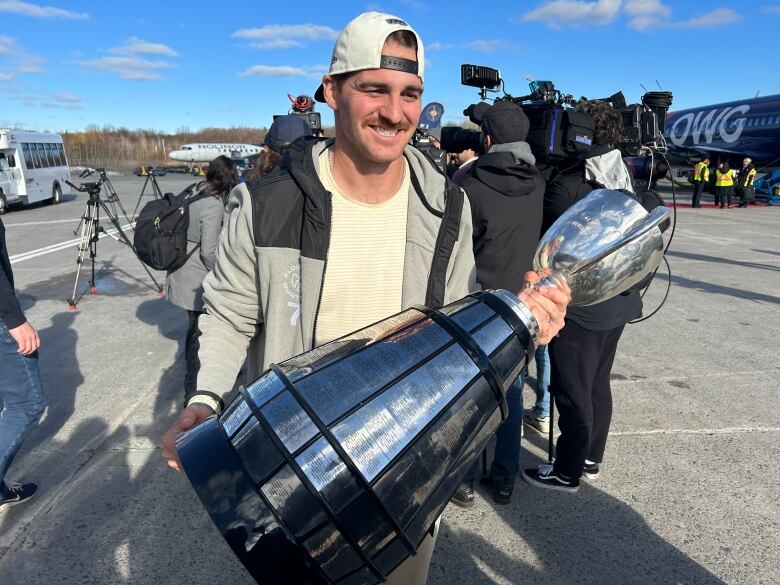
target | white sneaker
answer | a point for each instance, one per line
(539, 424)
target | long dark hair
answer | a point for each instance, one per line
(221, 177)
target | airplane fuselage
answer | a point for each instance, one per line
(748, 127)
(208, 151)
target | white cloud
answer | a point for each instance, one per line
(28, 9)
(7, 76)
(66, 97)
(560, 13)
(771, 9)
(276, 44)
(285, 71)
(489, 45)
(646, 14)
(713, 19)
(437, 46)
(19, 58)
(126, 60)
(650, 14)
(130, 67)
(136, 46)
(7, 45)
(282, 36)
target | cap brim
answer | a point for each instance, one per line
(319, 95)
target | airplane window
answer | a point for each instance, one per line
(763, 121)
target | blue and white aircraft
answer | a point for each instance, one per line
(728, 131)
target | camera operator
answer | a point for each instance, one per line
(582, 354)
(506, 193)
(464, 160)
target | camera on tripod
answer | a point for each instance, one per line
(643, 124)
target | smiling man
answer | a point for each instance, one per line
(349, 231)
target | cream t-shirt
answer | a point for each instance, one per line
(365, 262)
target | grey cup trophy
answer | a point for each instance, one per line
(332, 466)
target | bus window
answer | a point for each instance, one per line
(28, 161)
(61, 151)
(57, 155)
(55, 158)
(43, 161)
(49, 158)
(3, 162)
(36, 162)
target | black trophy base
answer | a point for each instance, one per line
(243, 518)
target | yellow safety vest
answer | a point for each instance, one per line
(747, 180)
(724, 179)
(701, 172)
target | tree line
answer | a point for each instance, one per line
(123, 149)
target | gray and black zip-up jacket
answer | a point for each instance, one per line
(262, 296)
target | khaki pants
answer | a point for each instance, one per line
(414, 570)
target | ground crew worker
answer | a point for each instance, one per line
(724, 185)
(701, 176)
(747, 175)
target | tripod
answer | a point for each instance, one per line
(156, 191)
(112, 199)
(90, 233)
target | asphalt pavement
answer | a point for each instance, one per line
(688, 492)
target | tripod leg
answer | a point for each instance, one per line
(84, 240)
(127, 241)
(93, 245)
(143, 189)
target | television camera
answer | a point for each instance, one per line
(557, 131)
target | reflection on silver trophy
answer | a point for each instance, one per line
(332, 466)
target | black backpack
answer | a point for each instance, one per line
(160, 238)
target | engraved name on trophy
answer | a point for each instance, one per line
(332, 466)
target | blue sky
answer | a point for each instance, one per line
(65, 64)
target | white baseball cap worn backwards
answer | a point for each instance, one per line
(359, 46)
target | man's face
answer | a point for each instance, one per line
(745, 162)
(376, 110)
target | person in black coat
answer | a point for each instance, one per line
(582, 354)
(506, 192)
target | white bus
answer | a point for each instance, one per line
(33, 167)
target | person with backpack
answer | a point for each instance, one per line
(185, 284)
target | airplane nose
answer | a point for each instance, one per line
(175, 155)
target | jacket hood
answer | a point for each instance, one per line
(609, 170)
(300, 160)
(507, 168)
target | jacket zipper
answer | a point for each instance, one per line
(324, 269)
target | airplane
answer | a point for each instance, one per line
(727, 131)
(203, 152)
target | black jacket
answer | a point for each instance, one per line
(506, 192)
(568, 187)
(10, 312)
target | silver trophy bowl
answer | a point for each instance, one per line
(601, 246)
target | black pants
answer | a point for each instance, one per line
(698, 187)
(724, 195)
(581, 361)
(191, 361)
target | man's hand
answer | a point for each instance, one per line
(189, 417)
(26, 337)
(547, 304)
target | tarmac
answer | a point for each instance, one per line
(687, 495)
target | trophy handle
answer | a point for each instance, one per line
(654, 218)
